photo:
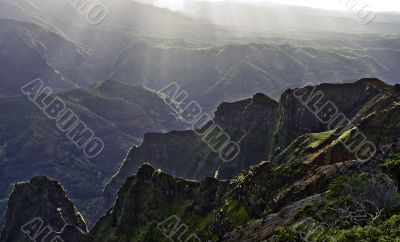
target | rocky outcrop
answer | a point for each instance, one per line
(246, 208)
(151, 197)
(155, 206)
(295, 119)
(263, 229)
(34, 205)
(262, 127)
(249, 122)
(370, 132)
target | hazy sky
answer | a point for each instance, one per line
(377, 5)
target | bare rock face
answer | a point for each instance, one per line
(262, 127)
(249, 122)
(263, 229)
(295, 116)
(313, 156)
(370, 134)
(151, 197)
(247, 208)
(250, 205)
(39, 204)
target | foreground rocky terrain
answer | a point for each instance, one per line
(45, 200)
(315, 184)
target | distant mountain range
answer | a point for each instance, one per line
(30, 51)
(128, 47)
(225, 73)
(272, 17)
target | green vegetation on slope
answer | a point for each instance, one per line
(358, 207)
(392, 167)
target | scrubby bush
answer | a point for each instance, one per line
(283, 234)
(387, 231)
(392, 167)
(361, 199)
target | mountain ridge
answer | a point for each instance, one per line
(31, 144)
(266, 197)
(281, 123)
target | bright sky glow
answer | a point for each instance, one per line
(377, 5)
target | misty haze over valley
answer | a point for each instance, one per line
(125, 120)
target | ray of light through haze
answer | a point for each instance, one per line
(378, 5)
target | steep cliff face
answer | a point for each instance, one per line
(150, 198)
(372, 131)
(300, 182)
(378, 121)
(249, 122)
(241, 209)
(295, 119)
(262, 127)
(250, 207)
(253, 128)
(154, 206)
(39, 203)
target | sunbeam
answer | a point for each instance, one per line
(378, 5)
